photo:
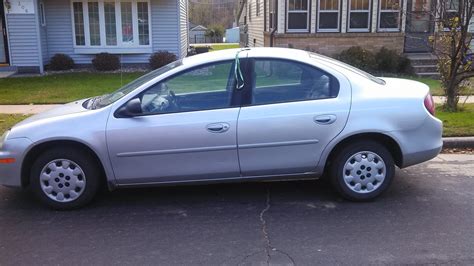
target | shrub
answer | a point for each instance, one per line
(387, 60)
(358, 57)
(161, 58)
(106, 62)
(61, 62)
(404, 66)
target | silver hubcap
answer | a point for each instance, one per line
(62, 180)
(364, 172)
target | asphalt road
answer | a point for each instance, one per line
(427, 217)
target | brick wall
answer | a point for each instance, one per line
(334, 43)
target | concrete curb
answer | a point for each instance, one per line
(458, 142)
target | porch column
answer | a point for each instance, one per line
(375, 11)
(404, 15)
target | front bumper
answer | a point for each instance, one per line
(10, 173)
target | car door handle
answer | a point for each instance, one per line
(325, 119)
(218, 127)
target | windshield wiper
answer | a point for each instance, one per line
(95, 101)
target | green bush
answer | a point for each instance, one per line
(404, 66)
(358, 57)
(106, 62)
(61, 62)
(161, 58)
(387, 60)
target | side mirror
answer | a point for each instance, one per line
(132, 108)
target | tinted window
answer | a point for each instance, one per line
(284, 81)
(202, 88)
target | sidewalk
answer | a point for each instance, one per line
(462, 99)
(26, 109)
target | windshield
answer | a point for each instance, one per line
(107, 99)
(348, 67)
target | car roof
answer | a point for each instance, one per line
(228, 54)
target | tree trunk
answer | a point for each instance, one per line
(452, 97)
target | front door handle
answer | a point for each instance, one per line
(218, 127)
(325, 119)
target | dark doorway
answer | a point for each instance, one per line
(420, 25)
(3, 37)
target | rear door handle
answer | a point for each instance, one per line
(325, 119)
(218, 127)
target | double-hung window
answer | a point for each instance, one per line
(389, 15)
(359, 15)
(111, 23)
(297, 19)
(328, 15)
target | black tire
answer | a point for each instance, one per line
(84, 160)
(337, 171)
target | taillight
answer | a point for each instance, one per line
(429, 104)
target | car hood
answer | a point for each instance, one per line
(66, 109)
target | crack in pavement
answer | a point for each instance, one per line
(269, 247)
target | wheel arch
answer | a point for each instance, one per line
(39, 148)
(387, 141)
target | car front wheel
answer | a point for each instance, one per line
(65, 178)
(362, 170)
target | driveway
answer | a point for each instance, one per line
(426, 217)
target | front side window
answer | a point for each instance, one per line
(203, 88)
(278, 81)
(359, 15)
(298, 15)
(389, 15)
(328, 19)
(108, 23)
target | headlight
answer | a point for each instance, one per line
(3, 138)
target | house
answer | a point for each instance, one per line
(197, 33)
(330, 26)
(35, 30)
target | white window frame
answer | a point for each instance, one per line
(42, 14)
(451, 11)
(121, 47)
(318, 17)
(350, 11)
(379, 27)
(307, 11)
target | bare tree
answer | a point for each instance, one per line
(451, 45)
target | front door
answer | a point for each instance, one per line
(3, 37)
(187, 130)
(295, 111)
(420, 25)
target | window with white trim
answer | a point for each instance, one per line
(389, 15)
(328, 15)
(359, 15)
(451, 11)
(109, 23)
(297, 18)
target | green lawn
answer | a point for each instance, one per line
(217, 47)
(7, 121)
(458, 124)
(60, 88)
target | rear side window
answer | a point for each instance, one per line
(277, 81)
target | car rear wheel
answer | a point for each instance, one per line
(65, 178)
(362, 170)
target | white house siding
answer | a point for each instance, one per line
(44, 44)
(256, 23)
(164, 31)
(23, 40)
(183, 27)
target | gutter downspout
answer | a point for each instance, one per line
(275, 25)
(38, 35)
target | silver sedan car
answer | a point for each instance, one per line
(234, 115)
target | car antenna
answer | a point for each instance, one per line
(238, 71)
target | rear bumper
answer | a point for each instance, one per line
(10, 173)
(421, 144)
